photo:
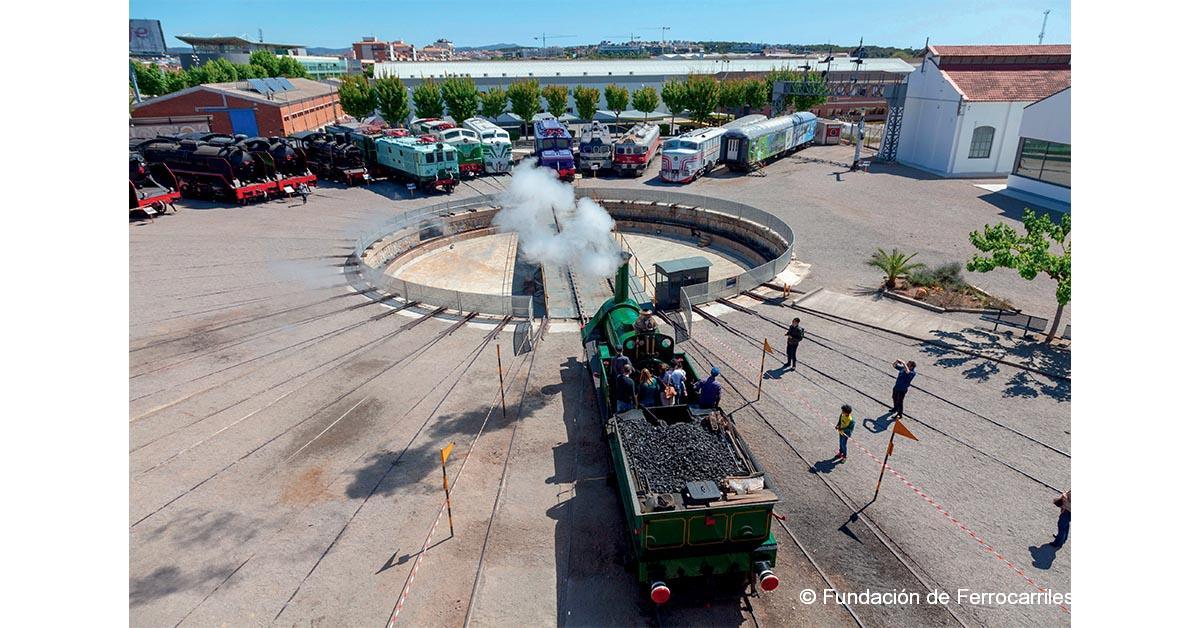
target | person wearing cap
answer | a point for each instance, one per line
(710, 390)
(645, 323)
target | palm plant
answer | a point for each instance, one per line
(894, 265)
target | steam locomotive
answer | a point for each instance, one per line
(702, 523)
(224, 167)
(152, 187)
(333, 159)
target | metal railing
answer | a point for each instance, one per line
(435, 220)
(720, 288)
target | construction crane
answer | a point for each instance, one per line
(662, 42)
(544, 37)
(1042, 35)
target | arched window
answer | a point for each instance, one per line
(981, 142)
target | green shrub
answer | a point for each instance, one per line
(947, 276)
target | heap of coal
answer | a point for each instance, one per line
(668, 456)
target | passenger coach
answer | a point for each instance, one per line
(748, 147)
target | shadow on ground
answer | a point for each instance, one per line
(1053, 362)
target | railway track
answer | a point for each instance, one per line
(882, 403)
(462, 367)
(892, 546)
(453, 374)
(822, 341)
(316, 372)
(404, 360)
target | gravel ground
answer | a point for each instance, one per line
(284, 433)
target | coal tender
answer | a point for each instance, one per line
(698, 507)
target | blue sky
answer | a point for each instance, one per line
(338, 23)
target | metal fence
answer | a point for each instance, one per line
(720, 288)
(433, 219)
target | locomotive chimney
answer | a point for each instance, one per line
(621, 285)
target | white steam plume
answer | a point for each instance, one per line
(585, 243)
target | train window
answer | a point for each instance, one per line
(429, 158)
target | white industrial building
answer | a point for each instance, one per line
(964, 105)
(633, 74)
(1042, 169)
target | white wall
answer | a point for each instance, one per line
(1006, 118)
(1047, 119)
(927, 133)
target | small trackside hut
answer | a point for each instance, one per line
(698, 507)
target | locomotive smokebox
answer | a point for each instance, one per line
(672, 275)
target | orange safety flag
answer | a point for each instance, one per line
(446, 452)
(767, 347)
(903, 431)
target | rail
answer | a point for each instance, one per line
(433, 221)
(372, 254)
(730, 286)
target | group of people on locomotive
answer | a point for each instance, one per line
(658, 383)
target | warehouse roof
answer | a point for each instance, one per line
(1001, 50)
(1008, 85)
(220, 40)
(304, 90)
(624, 67)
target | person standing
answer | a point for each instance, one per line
(795, 333)
(304, 192)
(710, 390)
(619, 363)
(664, 385)
(678, 378)
(845, 427)
(648, 389)
(904, 377)
(1064, 518)
(626, 390)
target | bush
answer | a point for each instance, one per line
(946, 276)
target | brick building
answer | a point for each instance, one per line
(240, 108)
(372, 49)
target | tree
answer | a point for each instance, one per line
(703, 92)
(732, 96)
(427, 99)
(524, 96)
(894, 265)
(645, 100)
(755, 93)
(391, 96)
(265, 60)
(495, 101)
(461, 98)
(150, 79)
(249, 71)
(556, 99)
(818, 91)
(215, 71)
(587, 99)
(290, 67)
(1030, 254)
(176, 81)
(674, 95)
(616, 98)
(357, 97)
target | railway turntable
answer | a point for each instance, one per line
(697, 505)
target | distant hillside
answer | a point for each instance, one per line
(327, 52)
(490, 47)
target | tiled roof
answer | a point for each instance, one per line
(1001, 51)
(1008, 85)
